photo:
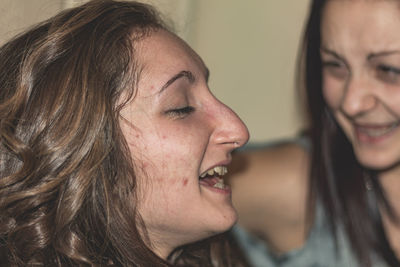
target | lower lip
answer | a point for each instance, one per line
(365, 138)
(226, 191)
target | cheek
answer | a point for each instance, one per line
(170, 154)
(332, 91)
(167, 161)
(391, 99)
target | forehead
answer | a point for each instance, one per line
(163, 54)
(375, 24)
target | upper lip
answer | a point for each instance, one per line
(375, 125)
(224, 163)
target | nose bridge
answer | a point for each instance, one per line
(359, 94)
(228, 127)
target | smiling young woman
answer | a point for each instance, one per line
(178, 131)
(352, 79)
(360, 57)
(107, 127)
(335, 200)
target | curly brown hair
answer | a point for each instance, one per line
(66, 181)
(67, 185)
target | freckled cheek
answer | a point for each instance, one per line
(171, 167)
(172, 156)
(168, 181)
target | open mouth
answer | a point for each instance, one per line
(213, 177)
(377, 131)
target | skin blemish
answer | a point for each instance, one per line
(185, 181)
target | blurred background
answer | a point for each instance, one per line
(250, 47)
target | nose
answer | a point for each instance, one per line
(359, 96)
(229, 128)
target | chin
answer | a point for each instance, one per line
(227, 220)
(214, 228)
(219, 224)
(377, 162)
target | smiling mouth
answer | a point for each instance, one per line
(376, 131)
(213, 177)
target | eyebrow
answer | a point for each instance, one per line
(369, 57)
(336, 55)
(183, 74)
(383, 53)
(333, 53)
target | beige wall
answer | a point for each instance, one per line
(16, 15)
(249, 46)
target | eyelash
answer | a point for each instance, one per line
(180, 112)
(335, 68)
(386, 68)
(334, 64)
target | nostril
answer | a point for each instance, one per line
(242, 139)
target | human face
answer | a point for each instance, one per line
(360, 51)
(177, 131)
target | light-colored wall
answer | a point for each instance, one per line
(250, 48)
(16, 15)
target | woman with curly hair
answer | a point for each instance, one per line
(112, 148)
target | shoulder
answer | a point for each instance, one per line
(269, 169)
(269, 166)
(269, 185)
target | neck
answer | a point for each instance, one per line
(155, 243)
(390, 181)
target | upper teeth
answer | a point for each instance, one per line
(220, 170)
(375, 132)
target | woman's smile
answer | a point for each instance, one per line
(375, 133)
(213, 179)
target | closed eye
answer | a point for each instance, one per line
(330, 63)
(335, 68)
(386, 68)
(388, 73)
(180, 113)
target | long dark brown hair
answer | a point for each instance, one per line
(67, 186)
(337, 179)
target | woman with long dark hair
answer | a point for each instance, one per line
(333, 197)
(352, 82)
(112, 148)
